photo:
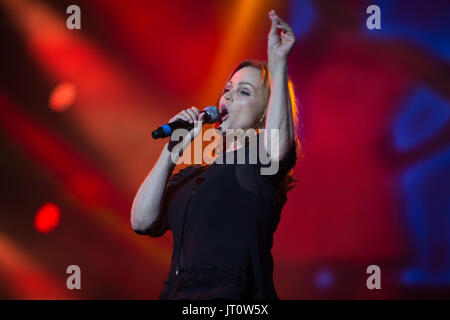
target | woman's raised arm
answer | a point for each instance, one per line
(279, 113)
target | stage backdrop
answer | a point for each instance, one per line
(77, 107)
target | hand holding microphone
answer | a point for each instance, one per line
(187, 119)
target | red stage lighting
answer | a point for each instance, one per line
(47, 218)
(62, 96)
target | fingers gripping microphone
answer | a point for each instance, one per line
(211, 116)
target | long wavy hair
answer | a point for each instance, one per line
(289, 180)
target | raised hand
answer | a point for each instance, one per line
(279, 45)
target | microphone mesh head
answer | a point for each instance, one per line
(212, 114)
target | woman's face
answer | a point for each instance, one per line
(243, 100)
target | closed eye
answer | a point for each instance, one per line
(244, 92)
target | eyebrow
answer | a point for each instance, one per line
(242, 82)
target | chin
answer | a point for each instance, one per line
(220, 129)
(223, 127)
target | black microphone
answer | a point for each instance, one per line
(211, 116)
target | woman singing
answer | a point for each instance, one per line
(223, 216)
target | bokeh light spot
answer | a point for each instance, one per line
(324, 278)
(47, 218)
(62, 96)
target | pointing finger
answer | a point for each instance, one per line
(273, 15)
(273, 27)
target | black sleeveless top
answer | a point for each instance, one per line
(222, 217)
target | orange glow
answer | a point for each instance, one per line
(62, 96)
(25, 277)
(249, 19)
(296, 117)
(47, 218)
(104, 90)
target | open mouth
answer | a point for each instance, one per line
(224, 114)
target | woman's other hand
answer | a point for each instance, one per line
(279, 45)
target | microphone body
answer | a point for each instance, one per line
(211, 116)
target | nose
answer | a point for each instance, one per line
(228, 96)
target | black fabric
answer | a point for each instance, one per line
(228, 229)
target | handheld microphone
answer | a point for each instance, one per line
(211, 116)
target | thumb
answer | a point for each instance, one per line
(201, 116)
